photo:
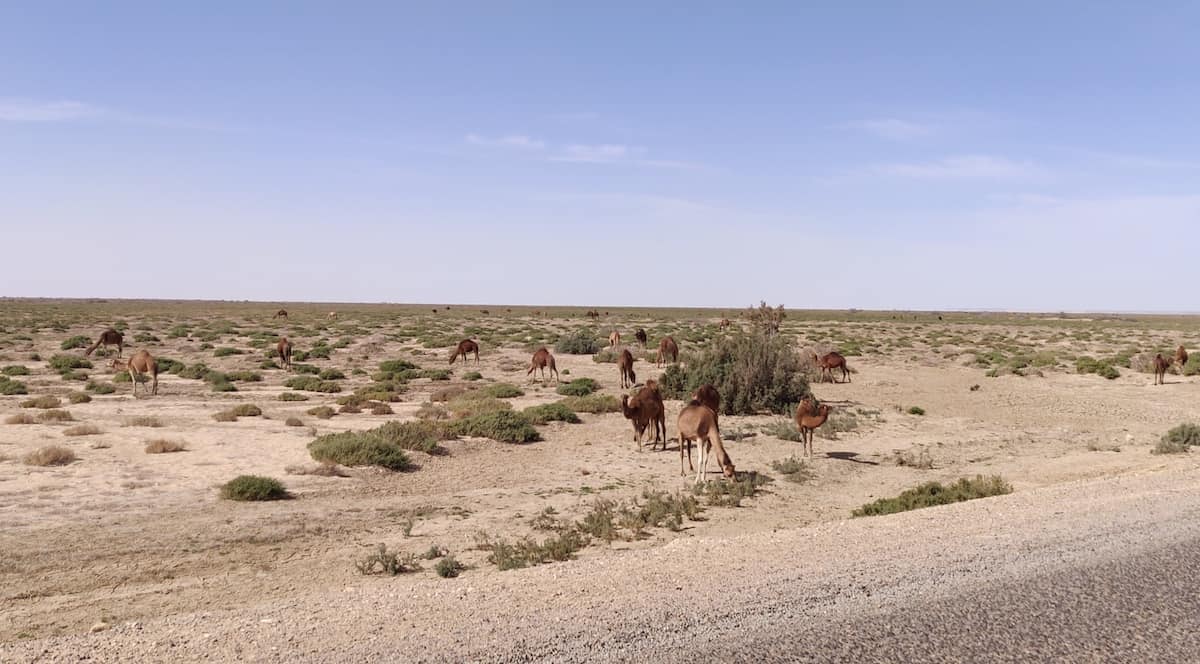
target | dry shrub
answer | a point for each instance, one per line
(44, 401)
(83, 430)
(20, 418)
(225, 416)
(432, 411)
(79, 397)
(448, 393)
(382, 409)
(294, 422)
(143, 421)
(323, 469)
(55, 415)
(51, 455)
(164, 446)
(322, 412)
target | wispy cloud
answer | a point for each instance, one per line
(30, 110)
(964, 167)
(515, 141)
(603, 153)
(893, 129)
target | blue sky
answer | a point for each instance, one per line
(926, 155)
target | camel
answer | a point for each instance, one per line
(830, 362)
(485, 312)
(625, 364)
(667, 348)
(640, 335)
(699, 423)
(810, 417)
(284, 348)
(646, 408)
(331, 315)
(465, 346)
(593, 314)
(1181, 358)
(139, 364)
(541, 359)
(706, 395)
(109, 337)
(614, 339)
(724, 324)
(282, 313)
(1161, 364)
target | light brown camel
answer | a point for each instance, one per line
(541, 359)
(465, 346)
(699, 423)
(830, 362)
(614, 339)
(109, 337)
(284, 349)
(331, 315)
(640, 335)
(1161, 364)
(667, 348)
(282, 313)
(625, 365)
(646, 409)
(706, 395)
(809, 417)
(1181, 358)
(138, 365)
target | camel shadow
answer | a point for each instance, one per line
(849, 456)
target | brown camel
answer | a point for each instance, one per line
(282, 313)
(706, 395)
(625, 364)
(593, 314)
(667, 348)
(699, 423)
(640, 335)
(109, 337)
(614, 339)
(830, 362)
(485, 312)
(724, 324)
(139, 364)
(1181, 358)
(284, 348)
(465, 346)
(809, 417)
(1161, 364)
(541, 359)
(646, 409)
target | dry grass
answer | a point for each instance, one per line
(225, 416)
(51, 455)
(164, 446)
(294, 422)
(55, 415)
(83, 430)
(143, 421)
(20, 418)
(44, 401)
(323, 469)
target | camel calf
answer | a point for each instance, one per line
(614, 339)
(1161, 364)
(699, 423)
(625, 365)
(139, 364)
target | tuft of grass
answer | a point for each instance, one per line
(244, 376)
(143, 421)
(503, 426)
(527, 552)
(1178, 440)
(164, 446)
(382, 409)
(359, 448)
(79, 397)
(783, 430)
(254, 488)
(55, 415)
(593, 403)
(44, 401)
(472, 376)
(391, 563)
(15, 370)
(100, 388)
(916, 410)
(473, 403)
(1103, 368)
(931, 494)
(580, 387)
(50, 455)
(793, 469)
(294, 422)
(323, 469)
(322, 412)
(331, 374)
(20, 418)
(551, 412)
(730, 493)
(9, 387)
(312, 384)
(246, 410)
(502, 391)
(449, 567)
(82, 430)
(76, 342)
(432, 411)
(64, 364)
(292, 396)
(226, 352)
(419, 435)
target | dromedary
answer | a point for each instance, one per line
(284, 348)
(1181, 358)
(830, 362)
(109, 337)
(646, 409)
(699, 423)
(1161, 364)
(465, 346)
(667, 348)
(139, 364)
(542, 359)
(625, 365)
(809, 417)
(706, 395)
(614, 339)
(640, 335)
(282, 313)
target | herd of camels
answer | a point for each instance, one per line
(697, 422)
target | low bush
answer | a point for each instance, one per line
(292, 396)
(1088, 365)
(931, 494)
(20, 418)
(164, 446)
(916, 410)
(294, 422)
(99, 388)
(472, 376)
(51, 455)
(55, 415)
(783, 430)
(580, 342)
(392, 563)
(79, 397)
(312, 384)
(502, 391)
(143, 421)
(359, 448)
(254, 488)
(551, 412)
(244, 376)
(322, 412)
(381, 409)
(82, 430)
(331, 374)
(9, 387)
(504, 426)
(67, 363)
(730, 493)
(44, 401)
(753, 372)
(475, 403)
(580, 387)
(1178, 440)
(593, 403)
(449, 567)
(20, 370)
(76, 342)
(793, 469)
(226, 352)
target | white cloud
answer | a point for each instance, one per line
(893, 128)
(964, 167)
(600, 154)
(29, 110)
(515, 141)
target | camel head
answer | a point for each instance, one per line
(117, 365)
(729, 471)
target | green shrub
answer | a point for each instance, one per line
(18, 370)
(420, 436)
(580, 342)
(306, 369)
(753, 372)
(580, 387)
(254, 487)
(593, 403)
(44, 401)
(504, 426)
(312, 384)
(502, 391)
(359, 448)
(331, 374)
(76, 342)
(783, 430)
(387, 562)
(793, 469)
(100, 388)
(474, 403)
(79, 397)
(526, 552)
(67, 363)
(551, 412)
(244, 376)
(472, 376)
(167, 365)
(1193, 365)
(1088, 365)
(1178, 439)
(292, 396)
(436, 374)
(195, 372)
(145, 338)
(226, 352)
(916, 410)
(934, 493)
(246, 410)
(9, 387)
(449, 567)
(322, 412)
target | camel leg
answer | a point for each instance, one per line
(683, 442)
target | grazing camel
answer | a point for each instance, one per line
(541, 359)
(109, 337)
(1161, 364)
(1181, 358)
(614, 339)
(331, 315)
(625, 364)
(640, 335)
(139, 364)
(724, 324)
(809, 417)
(465, 346)
(699, 423)
(284, 348)
(667, 348)
(706, 395)
(593, 314)
(830, 362)
(646, 409)
(435, 311)
(282, 313)
(485, 312)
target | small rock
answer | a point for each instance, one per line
(99, 627)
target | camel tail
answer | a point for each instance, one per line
(453, 357)
(91, 348)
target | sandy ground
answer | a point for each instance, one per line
(121, 536)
